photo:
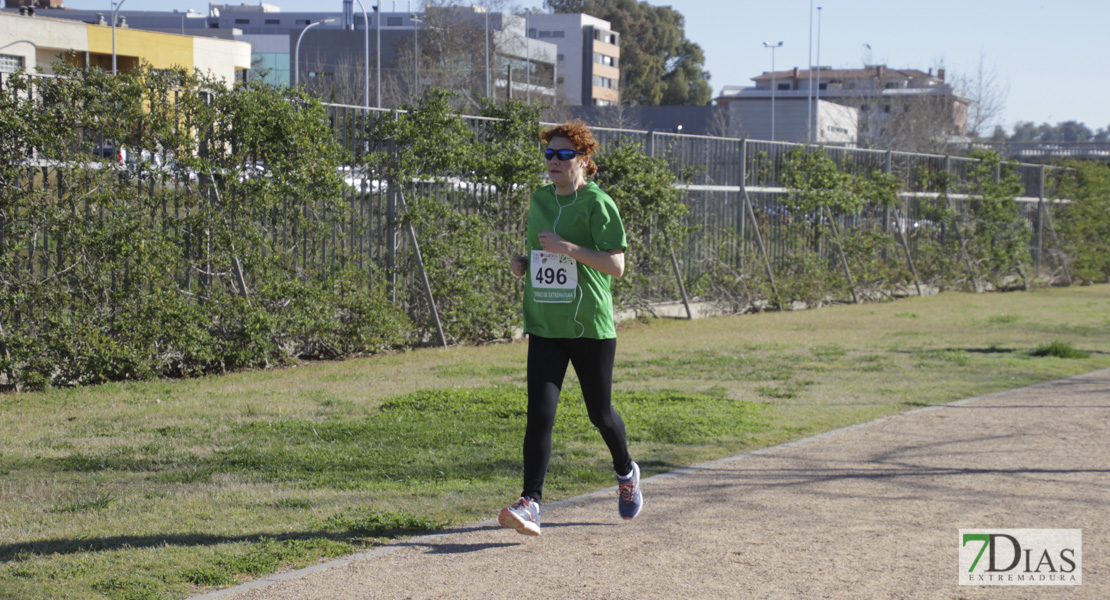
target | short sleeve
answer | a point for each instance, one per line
(606, 225)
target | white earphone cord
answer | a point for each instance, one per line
(553, 230)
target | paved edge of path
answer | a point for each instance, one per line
(602, 493)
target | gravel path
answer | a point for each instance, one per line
(871, 511)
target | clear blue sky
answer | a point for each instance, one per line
(1050, 54)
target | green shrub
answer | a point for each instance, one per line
(1059, 349)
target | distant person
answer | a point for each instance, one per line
(575, 244)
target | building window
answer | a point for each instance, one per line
(558, 34)
(213, 25)
(241, 75)
(886, 108)
(890, 85)
(561, 80)
(605, 82)
(545, 34)
(303, 22)
(393, 21)
(242, 21)
(604, 59)
(273, 21)
(10, 63)
(864, 108)
(561, 57)
(606, 36)
(823, 86)
(784, 86)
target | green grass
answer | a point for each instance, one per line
(167, 489)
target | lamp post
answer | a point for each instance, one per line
(115, 12)
(378, 23)
(487, 52)
(527, 61)
(817, 91)
(365, 56)
(809, 85)
(773, 85)
(415, 57)
(297, 50)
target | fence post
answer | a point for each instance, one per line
(1056, 241)
(840, 251)
(751, 215)
(423, 273)
(903, 216)
(956, 218)
(677, 274)
(1039, 231)
(391, 238)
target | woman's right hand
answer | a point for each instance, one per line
(519, 265)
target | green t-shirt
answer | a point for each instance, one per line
(589, 219)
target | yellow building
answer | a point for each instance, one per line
(35, 41)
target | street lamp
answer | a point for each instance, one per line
(817, 91)
(378, 22)
(487, 52)
(527, 61)
(809, 85)
(415, 57)
(297, 51)
(773, 85)
(365, 56)
(115, 11)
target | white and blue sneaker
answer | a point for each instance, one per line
(523, 516)
(631, 498)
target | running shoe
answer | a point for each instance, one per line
(523, 516)
(630, 499)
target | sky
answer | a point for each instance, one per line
(1049, 56)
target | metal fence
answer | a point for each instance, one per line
(733, 188)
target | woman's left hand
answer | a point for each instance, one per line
(551, 242)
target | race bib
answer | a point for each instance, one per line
(554, 277)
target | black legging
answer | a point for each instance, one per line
(547, 365)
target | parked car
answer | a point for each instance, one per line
(360, 180)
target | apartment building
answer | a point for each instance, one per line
(588, 60)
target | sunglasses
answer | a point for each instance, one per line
(550, 154)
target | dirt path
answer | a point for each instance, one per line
(871, 511)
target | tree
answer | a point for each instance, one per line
(1065, 131)
(658, 64)
(987, 95)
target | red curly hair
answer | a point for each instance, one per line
(580, 135)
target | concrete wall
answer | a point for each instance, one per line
(751, 118)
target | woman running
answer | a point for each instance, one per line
(575, 244)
